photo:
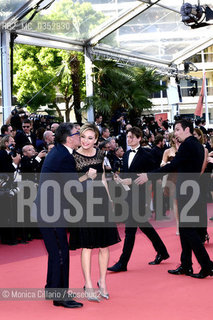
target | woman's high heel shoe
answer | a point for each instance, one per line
(104, 295)
(90, 295)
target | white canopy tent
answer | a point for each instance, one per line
(148, 32)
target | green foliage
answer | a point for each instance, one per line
(34, 67)
(31, 74)
(64, 81)
(82, 18)
(118, 86)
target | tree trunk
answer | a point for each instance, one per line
(75, 75)
(68, 108)
(67, 111)
(58, 111)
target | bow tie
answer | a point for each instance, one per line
(134, 150)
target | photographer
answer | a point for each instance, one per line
(41, 121)
(30, 167)
(9, 161)
(16, 117)
(31, 162)
(118, 121)
(9, 158)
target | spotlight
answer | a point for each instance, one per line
(194, 15)
(189, 66)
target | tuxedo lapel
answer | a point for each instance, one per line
(135, 159)
(125, 161)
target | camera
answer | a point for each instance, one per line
(12, 152)
(17, 110)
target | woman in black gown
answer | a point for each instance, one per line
(89, 163)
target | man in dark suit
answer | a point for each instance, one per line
(188, 163)
(25, 136)
(98, 122)
(9, 159)
(135, 161)
(158, 150)
(104, 135)
(59, 162)
(31, 162)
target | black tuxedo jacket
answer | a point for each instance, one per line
(122, 140)
(6, 162)
(21, 139)
(29, 165)
(142, 161)
(190, 185)
(188, 159)
(157, 155)
(137, 196)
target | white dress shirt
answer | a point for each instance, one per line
(132, 155)
(69, 149)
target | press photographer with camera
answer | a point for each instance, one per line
(16, 117)
(30, 168)
(31, 162)
(9, 158)
(9, 161)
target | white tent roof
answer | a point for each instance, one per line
(149, 31)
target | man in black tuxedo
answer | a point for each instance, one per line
(59, 162)
(188, 163)
(135, 161)
(98, 122)
(31, 162)
(25, 136)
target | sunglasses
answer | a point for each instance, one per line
(25, 126)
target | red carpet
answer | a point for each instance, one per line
(144, 292)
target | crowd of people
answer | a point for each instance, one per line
(29, 151)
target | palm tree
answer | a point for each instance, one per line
(118, 86)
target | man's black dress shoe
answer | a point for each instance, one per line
(67, 304)
(118, 267)
(203, 273)
(181, 270)
(159, 257)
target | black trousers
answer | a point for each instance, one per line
(191, 241)
(56, 243)
(129, 241)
